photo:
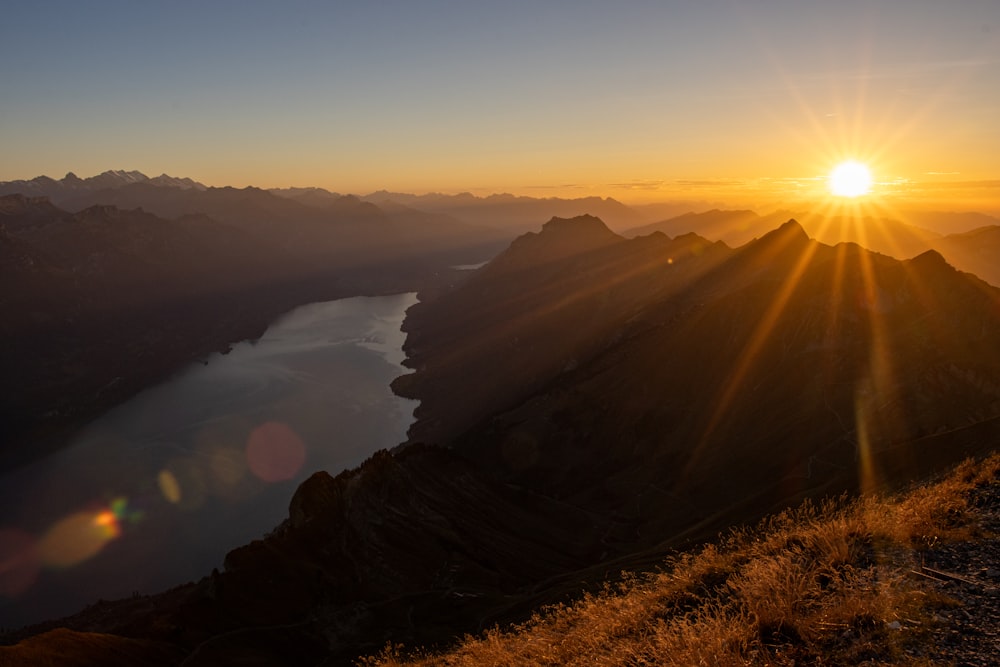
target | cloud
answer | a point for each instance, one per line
(637, 185)
(720, 183)
(558, 186)
(963, 185)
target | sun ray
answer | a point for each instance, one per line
(749, 355)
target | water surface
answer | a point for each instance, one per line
(158, 490)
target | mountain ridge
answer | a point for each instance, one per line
(632, 395)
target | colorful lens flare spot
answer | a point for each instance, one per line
(19, 562)
(82, 535)
(169, 486)
(275, 453)
(78, 537)
(122, 511)
(183, 483)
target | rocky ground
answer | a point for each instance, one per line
(967, 574)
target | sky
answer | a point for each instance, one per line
(642, 101)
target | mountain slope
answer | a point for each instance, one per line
(96, 303)
(786, 367)
(603, 401)
(545, 304)
(900, 580)
(976, 251)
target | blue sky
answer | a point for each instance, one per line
(499, 96)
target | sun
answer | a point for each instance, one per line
(850, 179)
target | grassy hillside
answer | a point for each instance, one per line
(850, 582)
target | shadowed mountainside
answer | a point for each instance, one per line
(604, 401)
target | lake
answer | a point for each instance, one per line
(155, 492)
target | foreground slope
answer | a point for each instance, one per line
(899, 581)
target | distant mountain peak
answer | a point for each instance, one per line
(70, 189)
(559, 239)
(930, 260)
(793, 227)
(581, 224)
(789, 233)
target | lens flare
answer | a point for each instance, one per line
(182, 482)
(19, 562)
(82, 535)
(78, 537)
(275, 453)
(169, 486)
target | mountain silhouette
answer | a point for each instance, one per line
(588, 403)
(788, 357)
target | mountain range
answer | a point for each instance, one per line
(318, 220)
(589, 403)
(969, 241)
(64, 190)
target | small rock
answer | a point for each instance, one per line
(895, 625)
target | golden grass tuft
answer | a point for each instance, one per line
(814, 585)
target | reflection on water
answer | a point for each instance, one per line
(158, 490)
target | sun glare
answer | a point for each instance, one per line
(850, 179)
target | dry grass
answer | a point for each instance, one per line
(815, 585)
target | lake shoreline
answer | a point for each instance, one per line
(188, 335)
(318, 376)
